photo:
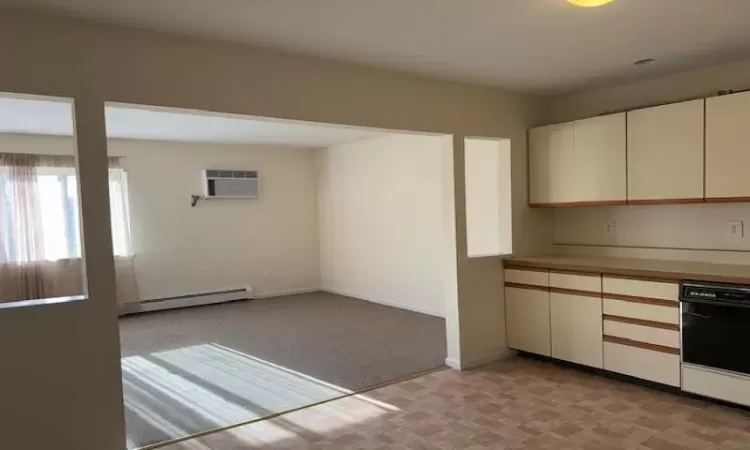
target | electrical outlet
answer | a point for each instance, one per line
(736, 229)
(610, 228)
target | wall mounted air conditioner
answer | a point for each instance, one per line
(230, 184)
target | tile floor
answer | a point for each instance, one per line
(513, 404)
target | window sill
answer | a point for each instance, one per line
(41, 302)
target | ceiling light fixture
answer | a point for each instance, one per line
(589, 3)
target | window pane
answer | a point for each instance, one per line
(73, 219)
(53, 217)
(119, 212)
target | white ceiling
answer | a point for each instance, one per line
(532, 45)
(130, 122)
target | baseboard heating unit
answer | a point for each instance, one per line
(186, 301)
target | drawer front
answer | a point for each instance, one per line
(530, 277)
(730, 388)
(641, 363)
(657, 336)
(588, 283)
(656, 313)
(643, 289)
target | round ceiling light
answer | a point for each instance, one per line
(589, 3)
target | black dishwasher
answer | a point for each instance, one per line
(716, 325)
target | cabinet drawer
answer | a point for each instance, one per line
(638, 288)
(651, 335)
(656, 313)
(589, 283)
(713, 384)
(530, 277)
(641, 363)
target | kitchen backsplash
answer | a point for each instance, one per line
(714, 228)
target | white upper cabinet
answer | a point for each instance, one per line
(600, 159)
(548, 149)
(728, 146)
(578, 162)
(665, 152)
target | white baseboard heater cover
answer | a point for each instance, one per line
(186, 301)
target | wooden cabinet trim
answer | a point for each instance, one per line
(643, 300)
(510, 266)
(656, 279)
(643, 345)
(666, 201)
(557, 290)
(570, 204)
(727, 199)
(592, 273)
(527, 286)
(657, 201)
(641, 322)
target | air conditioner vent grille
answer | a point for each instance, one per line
(223, 183)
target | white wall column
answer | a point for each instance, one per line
(475, 312)
(454, 226)
(99, 268)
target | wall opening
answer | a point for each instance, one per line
(489, 218)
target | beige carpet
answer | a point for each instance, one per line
(192, 370)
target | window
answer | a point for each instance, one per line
(55, 207)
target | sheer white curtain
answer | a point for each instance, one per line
(40, 239)
(21, 229)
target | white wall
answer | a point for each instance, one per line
(698, 231)
(489, 213)
(219, 244)
(381, 221)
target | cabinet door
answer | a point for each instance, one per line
(576, 328)
(665, 152)
(728, 146)
(550, 148)
(527, 320)
(598, 160)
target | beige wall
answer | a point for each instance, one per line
(219, 244)
(682, 86)
(641, 231)
(381, 231)
(95, 63)
(270, 243)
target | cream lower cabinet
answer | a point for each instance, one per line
(641, 329)
(646, 364)
(576, 328)
(527, 314)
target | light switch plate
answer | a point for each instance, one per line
(736, 229)
(610, 228)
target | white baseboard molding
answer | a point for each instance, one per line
(288, 292)
(202, 299)
(472, 362)
(384, 302)
(188, 300)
